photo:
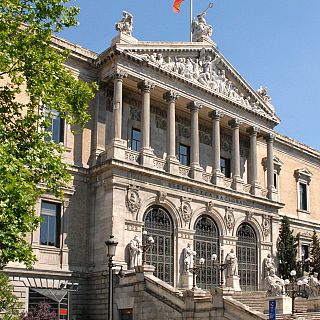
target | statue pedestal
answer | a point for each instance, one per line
(186, 280)
(313, 304)
(233, 282)
(146, 269)
(284, 304)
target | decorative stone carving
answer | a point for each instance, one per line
(125, 25)
(200, 28)
(188, 255)
(265, 225)
(314, 285)
(210, 206)
(161, 123)
(133, 201)
(275, 285)
(269, 265)
(185, 210)
(161, 196)
(249, 214)
(229, 219)
(232, 264)
(135, 113)
(135, 252)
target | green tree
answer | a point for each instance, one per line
(9, 305)
(287, 250)
(33, 79)
(315, 253)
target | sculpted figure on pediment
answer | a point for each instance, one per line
(125, 25)
(200, 28)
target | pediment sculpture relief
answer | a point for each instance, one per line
(206, 70)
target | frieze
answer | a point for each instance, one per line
(205, 69)
(161, 123)
(135, 113)
(133, 226)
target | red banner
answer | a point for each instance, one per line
(176, 5)
(63, 312)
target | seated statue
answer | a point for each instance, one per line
(125, 25)
(275, 285)
(314, 285)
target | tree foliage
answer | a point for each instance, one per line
(32, 78)
(315, 254)
(9, 305)
(287, 250)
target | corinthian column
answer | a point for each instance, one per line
(237, 181)
(252, 166)
(145, 87)
(196, 170)
(217, 176)
(172, 162)
(117, 103)
(270, 168)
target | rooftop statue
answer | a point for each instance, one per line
(125, 25)
(200, 28)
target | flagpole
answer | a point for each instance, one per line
(190, 20)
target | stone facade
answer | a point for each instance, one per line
(173, 94)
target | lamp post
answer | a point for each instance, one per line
(295, 288)
(147, 243)
(194, 270)
(221, 266)
(111, 251)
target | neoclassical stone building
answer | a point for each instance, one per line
(179, 145)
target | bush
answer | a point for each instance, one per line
(41, 312)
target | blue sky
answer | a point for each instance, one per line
(275, 43)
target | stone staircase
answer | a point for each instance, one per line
(256, 301)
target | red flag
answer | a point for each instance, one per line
(176, 5)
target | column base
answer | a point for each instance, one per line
(284, 304)
(116, 149)
(196, 171)
(218, 178)
(146, 157)
(237, 183)
(172, 165)
(255, 188)
(272, 194)
(186, 280)
(233, 282)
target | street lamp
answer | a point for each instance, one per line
(194, 270)
(147, 243)
(111, 251)
(221, 266)
(295, 288)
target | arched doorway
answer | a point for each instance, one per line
(206, 243)
(158, 224)
(247, 254)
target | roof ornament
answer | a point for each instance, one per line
(263, 93)
(200, 29)
(125, 25)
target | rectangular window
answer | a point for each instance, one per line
(305, 257)
(50, 225)
(303, 196)
(184, 154)
(275, 180)
(135, 139)
(56, 127)
(225, 167)
(126, 314)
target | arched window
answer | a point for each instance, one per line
(247, 254)
(206, 243)
(158, 224)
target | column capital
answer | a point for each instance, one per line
(234, 123)
(215, 115)
(270, 137)
(253, 130)
(146, 85)
(170, 96)
(194, 106)
(118, 75)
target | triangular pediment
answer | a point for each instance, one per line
(205, 67)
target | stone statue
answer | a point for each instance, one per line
(314, 285)
(275, 285)
(188, 255)
(135, 253)
(125, 25)
(269, 265)
(232, 264)
(200, 28)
